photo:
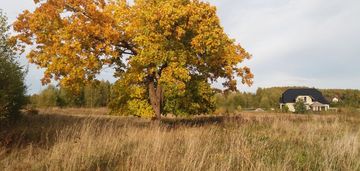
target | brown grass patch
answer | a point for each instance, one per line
(242, 142)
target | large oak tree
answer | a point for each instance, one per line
(163, 50)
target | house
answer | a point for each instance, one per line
(312, 98)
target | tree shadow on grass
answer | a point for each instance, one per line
(43, 130)
(192, 121)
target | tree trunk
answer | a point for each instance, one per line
(156, 98)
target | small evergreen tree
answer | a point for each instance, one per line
(300, 107)
(12, 87)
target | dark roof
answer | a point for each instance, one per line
(290, 95)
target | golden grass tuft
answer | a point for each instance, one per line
(243, 142)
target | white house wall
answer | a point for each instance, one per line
(308, 102)
(291, 107)
(308, 99)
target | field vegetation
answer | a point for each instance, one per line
(99, 94)
(165, 63)
(58, 140)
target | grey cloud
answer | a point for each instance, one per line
(315, 40)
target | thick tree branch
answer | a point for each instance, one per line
(128, 46)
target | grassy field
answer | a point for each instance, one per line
(52, 141)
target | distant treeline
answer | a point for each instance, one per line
(267, 98)
(98, 95)
(93, 95)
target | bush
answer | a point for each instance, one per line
(285, 109)
(12, 87)
(300, 107)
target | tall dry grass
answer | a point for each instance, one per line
(245, 142)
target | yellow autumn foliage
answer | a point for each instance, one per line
(157, 46)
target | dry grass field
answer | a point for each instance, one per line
(51, 141)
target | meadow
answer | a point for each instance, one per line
(61, 140)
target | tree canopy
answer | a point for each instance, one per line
(166, 52)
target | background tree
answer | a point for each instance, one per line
(71, 99)
(162, 50)
(49, 97)
(93, 95)
(97, 94)
(12, 87)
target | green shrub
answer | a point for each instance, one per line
(285, 109)
(300, 107)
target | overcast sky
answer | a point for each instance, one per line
(313, 43)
